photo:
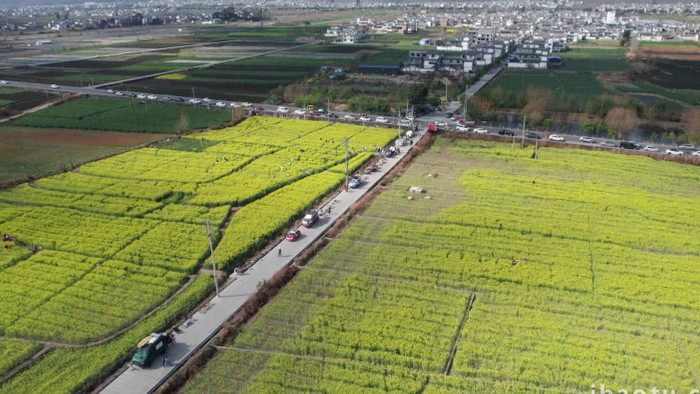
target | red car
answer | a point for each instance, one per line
(292, 235)
(314, 113)
(371, 168)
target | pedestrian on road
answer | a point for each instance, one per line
(279, 252)
(165, 359)
(329, 209)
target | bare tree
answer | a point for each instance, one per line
(183, 123)
(691, 121)
(622, 120)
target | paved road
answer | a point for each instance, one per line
(206, 323)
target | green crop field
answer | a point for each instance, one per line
(595, 59)
(123, 115)
(570, 90)
(575, 270)
(98, 248)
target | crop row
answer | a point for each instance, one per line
(71, 297)
(166, 165)
(576, 281)
(258, 222)
(32, 196)
(70, 370)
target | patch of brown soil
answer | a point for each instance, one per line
(84, 137)
(677, 53)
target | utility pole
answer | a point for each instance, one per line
(522, 143)
(345, 141)
(207, 225)
(464, 109)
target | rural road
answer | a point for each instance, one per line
(205, 323)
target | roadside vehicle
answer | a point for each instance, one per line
(468, 123)
(674, 151)
(246, 104)
(441, 124)
(355, 182)
(54, 86)
(4, 82)
(381, 119)
(449, 115)
(608, 144)
(233, 104)
(283, 110)
(587, 139)
(152, 97)
(332, 115)
(314, 113)
(687, 146)
(206, 100)
(371, 168)
(460, 127)
(365, 119)
(151, 347)
(293, 235)
(195, 101)
(630, 145)
(110, 90)
(141, 95)
(310, 218)
(221, 104)
(481, 130)
(300, 112)
(651, 148)
(405, 122)
(432, 127)
(531, 134)
(556, 137)
(696, 153)
(349, 117)
(119, 93)
(506, 132)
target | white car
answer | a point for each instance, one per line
(441, 124)
(381, 119)
(481, 130)
(651, 148)
(110, 90)
(349, 117)
(300, 112)
(152, 97)
(365, 119)
(221, 104)
(462, 128)
(54, 86)
(405, 122)
(586, 138)
(142, 95)
(556, 137)
(119, 93)
(283, 110)
(4, 82)
(234, 105)
(195, 101)
(696, 153)
(206, 99)
(674, 151)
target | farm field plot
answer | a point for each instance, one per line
(565, 86)
(595, 59)
(576, 269)
(94, 250)
(31, 151)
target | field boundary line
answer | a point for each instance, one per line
(450, 358)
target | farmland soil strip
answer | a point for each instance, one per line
(450, 359)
